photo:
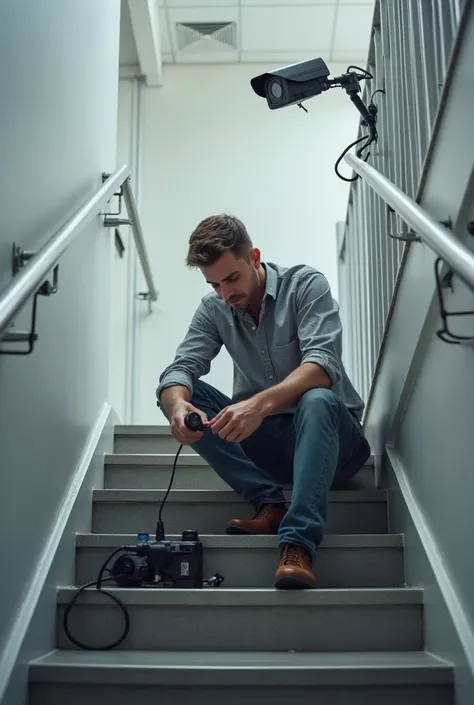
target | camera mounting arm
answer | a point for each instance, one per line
(293, 84)
(350, 82)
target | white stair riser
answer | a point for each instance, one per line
(340, 627)
(148, 444)
(187, 477)
(212, 518)
(78, 694)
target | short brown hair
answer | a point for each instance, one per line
(216, 235)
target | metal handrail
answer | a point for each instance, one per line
(436, 236)
(32, 276)
(136, 227)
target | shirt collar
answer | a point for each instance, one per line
(271, 282)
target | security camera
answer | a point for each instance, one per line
(292, 84)
(295, 83)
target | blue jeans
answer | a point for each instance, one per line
(318, 448)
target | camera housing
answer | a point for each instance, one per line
(161, 564)
(292, 84)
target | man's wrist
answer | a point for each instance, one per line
(173, 398)
(263, 403)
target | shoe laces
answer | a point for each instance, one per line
(293, 555)
(264, 511)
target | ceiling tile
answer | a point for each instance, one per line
(353, 27)
(280, 58)
(287, 28)
(203, 14)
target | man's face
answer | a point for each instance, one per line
(235, 279)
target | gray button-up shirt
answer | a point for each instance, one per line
(299, 322)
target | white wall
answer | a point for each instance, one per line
(58, 118)
(208, 144)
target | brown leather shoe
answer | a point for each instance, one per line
(267, 520)
(295, 571)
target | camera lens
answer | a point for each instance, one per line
(276, 89)
(190, 535)
(193, 421)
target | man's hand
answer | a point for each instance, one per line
(179, 430)
(238, 421)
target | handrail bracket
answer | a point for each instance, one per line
(30, 337)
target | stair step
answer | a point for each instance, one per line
(151, 440)
(208, 511)
(152, 470)
(388, 619)
(213, 677)
(250, 561)
(145, 439)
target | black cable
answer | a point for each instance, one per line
(367, 74)
(379, 90)
(368, 139)
(160, 529)
(160, 536)
(98, 584)
(350, 81)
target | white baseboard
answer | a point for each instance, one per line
(16, 650)
(457, 614)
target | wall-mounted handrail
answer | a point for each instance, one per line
(436, 236)
(30, 278)
(139, 239)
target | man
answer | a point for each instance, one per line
(294, 417)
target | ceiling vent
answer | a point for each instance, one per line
(206, 35)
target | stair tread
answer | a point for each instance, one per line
(219, 496)
(148, 667)
(142, 430)
(249, 597)
(93, 540)
(154, 459)
(160, 459)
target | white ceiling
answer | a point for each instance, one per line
(285, 31)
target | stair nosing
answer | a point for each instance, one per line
(122, 430)
(220, 496)
(250, 597)
(224, 541)
(155, 459)
(317, 669)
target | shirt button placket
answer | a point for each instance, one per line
(267, 365)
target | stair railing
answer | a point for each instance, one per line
(412, 54)
(31, 270)
(424, 228)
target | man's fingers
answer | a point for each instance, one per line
(223, 414)
(233, 436)
(217, 424)
(227, 430)
(182, 434)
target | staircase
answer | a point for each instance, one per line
(359, 637)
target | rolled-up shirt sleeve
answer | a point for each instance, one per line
(319, 324)
(194, 354)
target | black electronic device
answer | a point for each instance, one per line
(296, 83)
(161, 563)
(292, 84)
(194, 422)
(155, 564)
